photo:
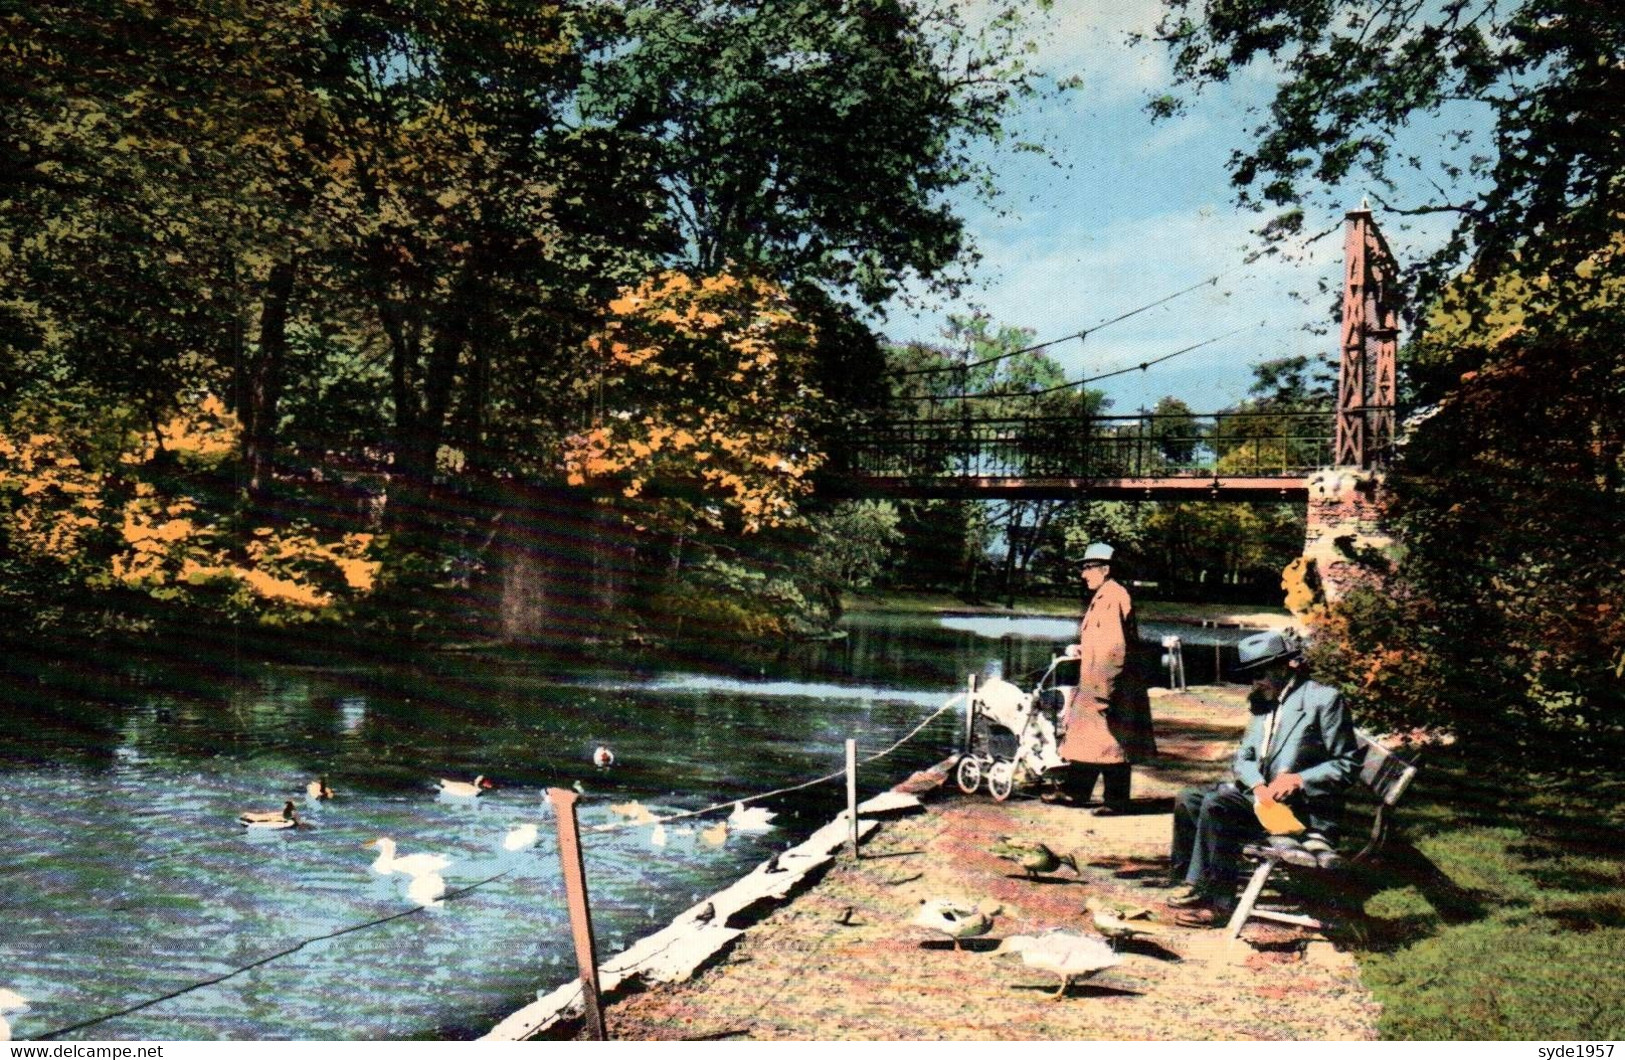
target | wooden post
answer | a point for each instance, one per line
(852, 792)
(970, 712)
(575, 896)
(1218, 665)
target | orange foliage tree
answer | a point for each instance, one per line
(702, 385)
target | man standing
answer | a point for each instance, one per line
(1298, 755)
(1108, 720)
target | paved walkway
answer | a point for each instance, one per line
(841, 961)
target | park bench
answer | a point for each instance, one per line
(1386, 775)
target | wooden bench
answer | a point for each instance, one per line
(1387, 775)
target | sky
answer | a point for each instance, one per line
(1127, 210)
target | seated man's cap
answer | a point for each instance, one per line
(1263, 649)
(1097, 553)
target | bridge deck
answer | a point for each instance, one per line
(1185, 488)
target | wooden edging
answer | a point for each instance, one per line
(698, 934)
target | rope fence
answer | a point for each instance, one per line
(461, 892)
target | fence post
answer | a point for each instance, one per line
(575, 896)
(852, 792)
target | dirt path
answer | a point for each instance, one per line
(842, 962)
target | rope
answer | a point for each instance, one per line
(1084, 334)
(448, 897)
(621, 826)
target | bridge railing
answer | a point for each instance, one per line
(1238, 444)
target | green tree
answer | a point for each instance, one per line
(1520, 100)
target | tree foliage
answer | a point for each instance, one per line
(1517, 103)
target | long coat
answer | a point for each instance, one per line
(1108, 719)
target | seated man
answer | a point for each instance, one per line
(1299, 751)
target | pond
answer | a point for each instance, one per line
(128, 877)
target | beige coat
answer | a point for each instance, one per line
(1108, 719)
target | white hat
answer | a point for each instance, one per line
(1099, 552)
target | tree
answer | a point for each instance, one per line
(706, 384)
(1519, 99)
(817, 141)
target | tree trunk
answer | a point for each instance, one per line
(264, 385)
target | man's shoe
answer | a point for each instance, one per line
(1108, 811)
(1190, 898)
(1206, 916)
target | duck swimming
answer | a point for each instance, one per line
(603, 757)
(520, 837)
(287, 817)
(411, 864)
(750, 818)
(318, 789)
(463, 789)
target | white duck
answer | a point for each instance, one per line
(634, 811)
(410, 865)
(10, 1001)
(463, 789)
(520, 837)
(287, 817)
(750, 818)
(1069, 954)
(957, 918)
(426, 890)
(657, 834)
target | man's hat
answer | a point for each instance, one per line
(1265, 649)
(1097, 554)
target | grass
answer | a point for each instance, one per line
(1149, 610)
(1500, 911)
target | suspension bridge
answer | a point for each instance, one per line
(951, 451)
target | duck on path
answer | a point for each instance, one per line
(1069, 954)
(10, 1002)
(957, 918)
(287, 817)
(1034, 857)
(463, 789)
(411, 864)
(1121, 922)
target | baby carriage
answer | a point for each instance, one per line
(1014, 735)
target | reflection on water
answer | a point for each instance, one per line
(127, 876)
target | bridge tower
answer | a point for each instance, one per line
(1370, 340)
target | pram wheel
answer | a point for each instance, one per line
(1001, 780)
(969, 774)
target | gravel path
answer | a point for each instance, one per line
(842, 962)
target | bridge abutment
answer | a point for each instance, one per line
(1345, 543)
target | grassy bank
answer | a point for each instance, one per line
(1149, 610)
(1500, 912)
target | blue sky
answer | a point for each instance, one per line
(1136, 210)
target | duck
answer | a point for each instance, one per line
(425, 890)
(716, 834)
(603, 757)
(318, 789)
(520, 837)
(635, 811)
(1069, 954)
(657, 835)
(410, 865)
(957, 918)
(287, 817)
(10, 1002)
(1121, 922)
(750, 819)
(463, 789)
(1035, 857)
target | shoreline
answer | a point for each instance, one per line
(1224, 616)
(836, 957)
